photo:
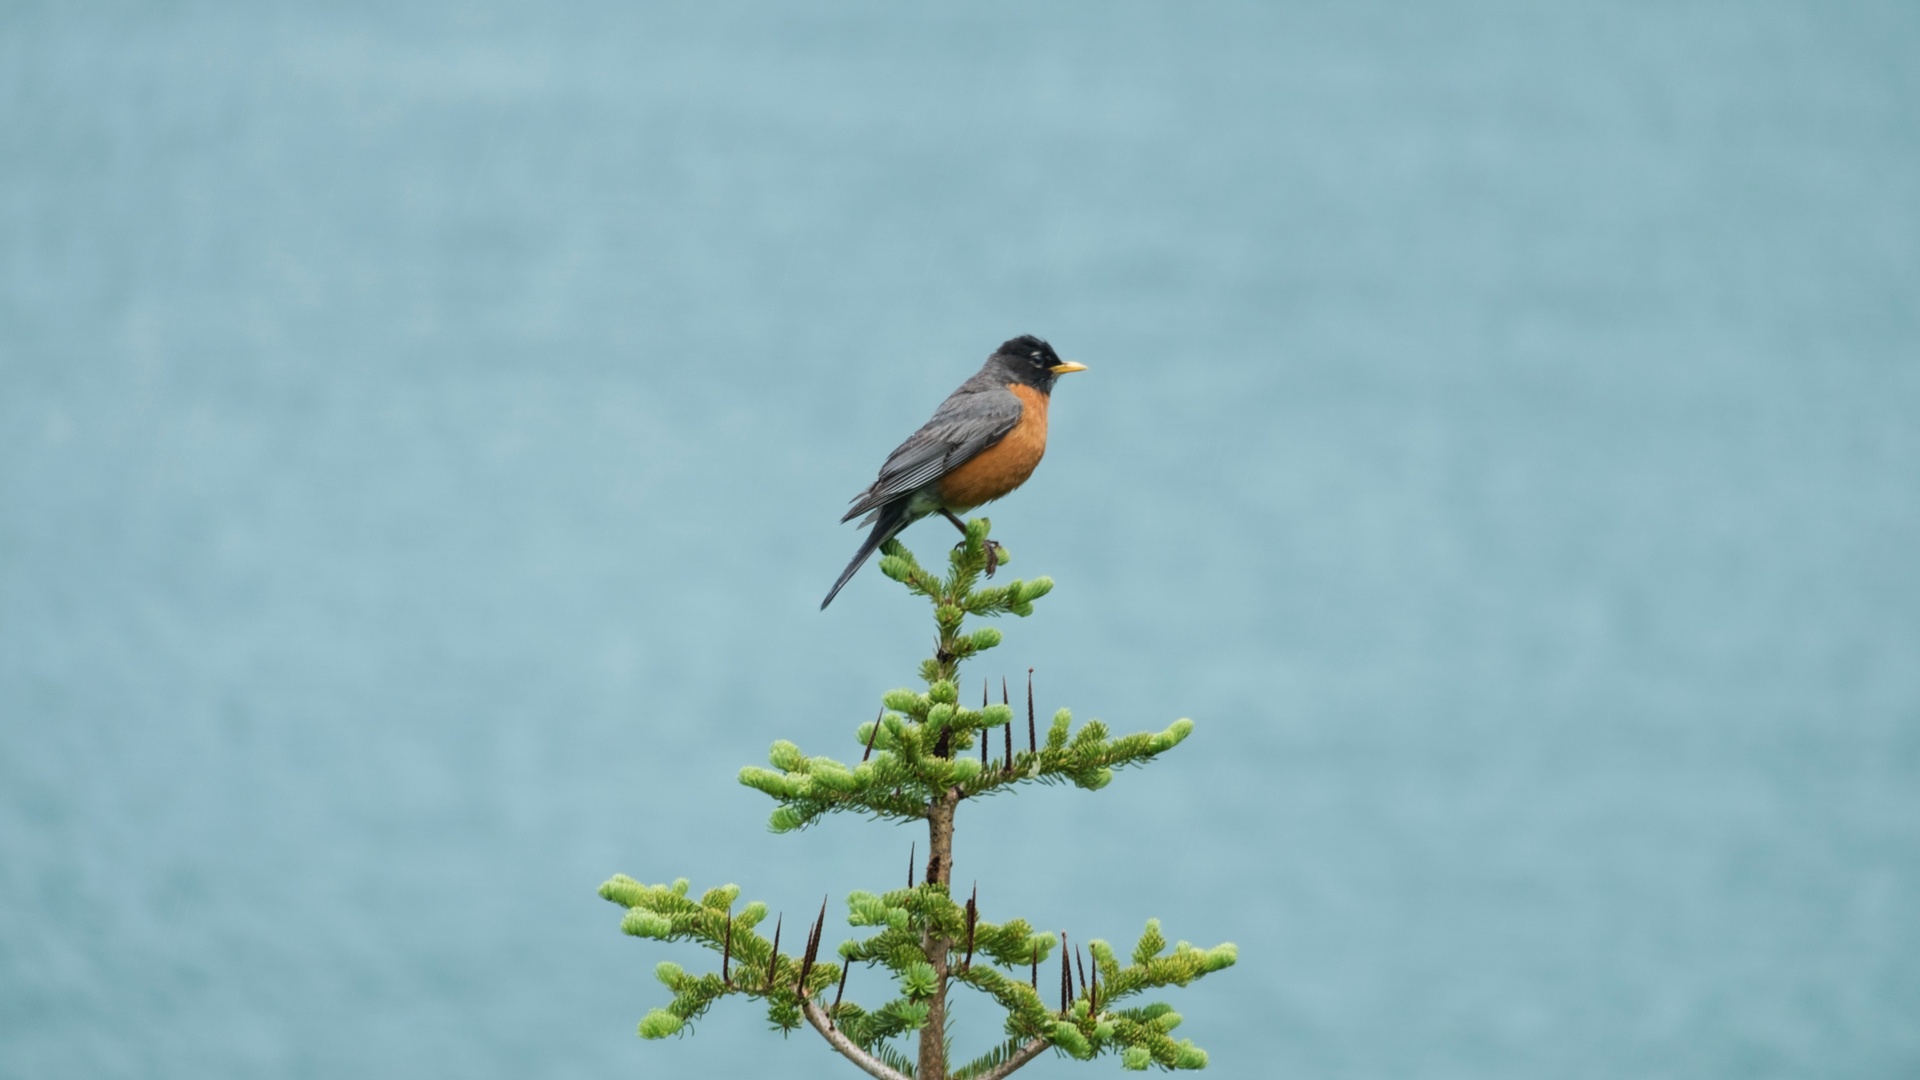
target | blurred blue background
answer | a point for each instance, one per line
(423, 430)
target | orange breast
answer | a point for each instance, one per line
(1006, 464)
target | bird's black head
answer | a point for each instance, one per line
(1029, 360)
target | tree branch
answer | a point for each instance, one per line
(1021, 1057)
(869, 1064)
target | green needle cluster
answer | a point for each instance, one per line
(924, 754)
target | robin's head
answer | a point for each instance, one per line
(1029, 360)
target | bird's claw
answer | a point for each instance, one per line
(993, 554)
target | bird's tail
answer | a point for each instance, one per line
(891, 519)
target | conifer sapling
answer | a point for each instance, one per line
(917, 764)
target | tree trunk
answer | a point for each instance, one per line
(933, 1037)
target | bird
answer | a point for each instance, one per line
(983, 441)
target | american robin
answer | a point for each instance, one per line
(982, 442)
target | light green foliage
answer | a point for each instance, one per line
(918, 979)
(905, 774)
(1143, 1030)
(665, 913)
(923, 750)
(659, 1024)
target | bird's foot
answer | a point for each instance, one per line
(993, 554)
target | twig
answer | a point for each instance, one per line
(813, 949)
(875, 733)
(836, 1038)
(983, 731)
(1020, 1057)
(1033, 744)
(1066, 974)
(1008, 730)
(973, 913)
(831, 1013)
(773, 956)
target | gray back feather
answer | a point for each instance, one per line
(972, 418)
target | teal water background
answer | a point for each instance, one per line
(422, 431)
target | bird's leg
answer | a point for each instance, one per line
(993, 546)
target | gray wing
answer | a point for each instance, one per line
(972, 419)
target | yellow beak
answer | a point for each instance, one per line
(1067, 367)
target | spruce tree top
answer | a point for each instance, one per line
(919, 762)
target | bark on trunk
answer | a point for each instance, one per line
(933, 1037)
